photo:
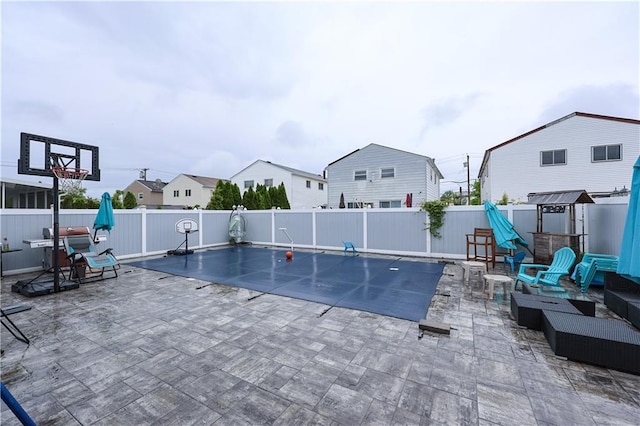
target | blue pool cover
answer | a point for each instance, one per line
(392, 287)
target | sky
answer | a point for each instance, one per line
(207, 88)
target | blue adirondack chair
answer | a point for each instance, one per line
(513, 261)
(591, 266)
(548, 275)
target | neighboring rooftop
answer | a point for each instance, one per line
(153, 185)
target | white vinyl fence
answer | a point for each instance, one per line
(141, 232)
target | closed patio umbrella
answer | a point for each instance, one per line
(503, 230)
(104, 219)
(629, 259)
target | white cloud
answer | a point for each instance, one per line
(209, 87)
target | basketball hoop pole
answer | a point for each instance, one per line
(56, 236)
(57, 160)
(62, 160)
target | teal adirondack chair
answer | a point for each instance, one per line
(590, 266)
(548, 275)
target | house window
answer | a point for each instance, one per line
(550, 158)
(359, 205)
(187, 192)
(606, 153)
(388, 173)
(308, 184)
(248, 184)
(140, 196)
(360, 175)
(176, 193)
(268, 182)
(390, 204)
(321, 186)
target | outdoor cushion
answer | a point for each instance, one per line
(633, 310)
(617, 301)
(527, 308)
(605, 342)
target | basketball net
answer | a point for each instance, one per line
(69, 178)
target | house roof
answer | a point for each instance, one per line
(206, 182)
(560, 197)
(153, 185)
(23, 184)
(487, 153)
(291, 170)
(430, 160)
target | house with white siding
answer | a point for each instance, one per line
(304, 190)
(378, 176)
(189, 191)
(19, 194)
(579, 151)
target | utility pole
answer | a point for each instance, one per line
(143, 174)
(466, 164)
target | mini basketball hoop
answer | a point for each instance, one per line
(69, 178)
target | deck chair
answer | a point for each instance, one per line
(481, 246)
(9, 325)
(592, 264)
(548, 275)
(348, 245)
(513, 261)
(82, 254)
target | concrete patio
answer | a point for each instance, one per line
(151, 348)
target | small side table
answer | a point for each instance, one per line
(491, 280)
(469, 265)
(2, 252)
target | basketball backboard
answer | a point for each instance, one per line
(39, 153)
(186, 226)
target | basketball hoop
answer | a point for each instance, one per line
(69, 178)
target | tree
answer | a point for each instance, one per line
(263, 198)
(274, 195)
(503, 201)
(116, 199)
(341, 205)
(227, 196)
(475, 193)
(450, 198)
(236, 196)
(216, 201)
(282, 197)
(76, 199)
(93, 203)
(249, 199)
(130, 201)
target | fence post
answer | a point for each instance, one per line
(365, 226)
(313, 227)
(200, 229)
(143, 224)
(273, 226)
(427, 234)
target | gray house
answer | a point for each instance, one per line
(382, 177)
